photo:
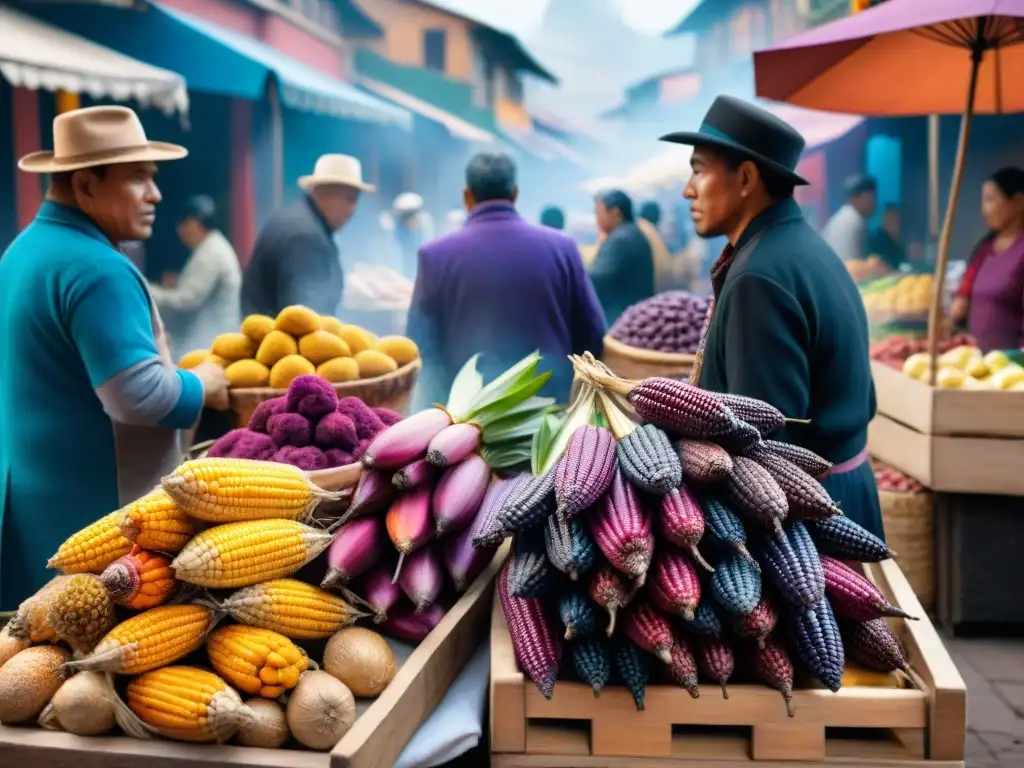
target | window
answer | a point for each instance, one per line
(434, 49)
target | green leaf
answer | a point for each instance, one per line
(506, 457)
(534, 408)
(599, 420)
(580, 415)
(497, 387)
(522, 431)
(465, 387)
(521, 393)
(542, 439)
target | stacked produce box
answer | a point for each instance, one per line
(663, 535)
(898, 304)
(189, 614)
(272, 352)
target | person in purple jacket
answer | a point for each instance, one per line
(501, 287)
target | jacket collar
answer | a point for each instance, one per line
(65, 215)
(319, 217)
(493, 210)
(777, 213)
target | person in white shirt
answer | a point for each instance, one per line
(205, 301)
(847, 231)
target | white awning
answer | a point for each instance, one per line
(456, 126)
(36, 55)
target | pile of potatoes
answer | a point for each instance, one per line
(271, 352)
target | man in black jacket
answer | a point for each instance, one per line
(295, 259)
(787, 325)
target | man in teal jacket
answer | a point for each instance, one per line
(787, 325)
(90, 403)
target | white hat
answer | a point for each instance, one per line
(341, 170)
(85, 138)
(407, 202)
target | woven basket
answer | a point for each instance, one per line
(909, 520)
(392, 390)
(635, 363)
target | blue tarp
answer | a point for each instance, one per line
(215, 59)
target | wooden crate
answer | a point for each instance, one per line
(375, 741)
(922, 727)
(953, 441)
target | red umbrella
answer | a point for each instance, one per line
(907, 57)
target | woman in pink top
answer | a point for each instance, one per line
(992, 295)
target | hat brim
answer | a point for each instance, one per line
(697, 139)
(152, 152)
(308, 182)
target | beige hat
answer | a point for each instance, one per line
(407, 202)
(341, 170)
(85, 138)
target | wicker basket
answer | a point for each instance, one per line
(635, 363)
(909, 520)
(392, 390)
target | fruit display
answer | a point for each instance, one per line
(897, 296)
(190, 614)
(667, 322)
(964, 367)
(662, 536)
(892, 480)
(273, 352)
(866, 270)
(309, 427)
(895, 349)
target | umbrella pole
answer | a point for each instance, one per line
(939, 282)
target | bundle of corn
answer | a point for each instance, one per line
(714, 543)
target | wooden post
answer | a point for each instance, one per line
(933, 176)
(935, 311)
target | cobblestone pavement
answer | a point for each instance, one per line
(994, 673)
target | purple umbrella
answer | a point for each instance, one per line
(908, 57)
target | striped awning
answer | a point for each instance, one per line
(456, 126)
(36, 55)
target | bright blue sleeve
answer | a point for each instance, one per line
(108, 316)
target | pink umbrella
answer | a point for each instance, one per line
(908, 57)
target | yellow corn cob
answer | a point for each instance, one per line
(292, 608)
(93, 548)
(82, 612)
(187, 704)
(157, 523)
(151, 639)
(32, 621)
(240, 554)
(256, 661)
(230, 490)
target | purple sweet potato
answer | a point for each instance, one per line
(224, 444)
(336, 430)
(266, 409)
(368, 423)
(253, 445)
(338, 458)
(290, 429)
(311, 397)
(360, 449)
(388, 416)
(306, 459)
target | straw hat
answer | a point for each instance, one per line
(85, 138)
(342, 170)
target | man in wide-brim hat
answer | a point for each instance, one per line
(90, 402)
(295, 259)
(787, 324)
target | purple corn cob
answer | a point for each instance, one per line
(412, 475)
(529, 503)
(682, 522)
(458, 494)
(716, 661)
(674, 586)
(792, 564)
(703, 461)
(488, 529)
(816, 642)
(453, 444)
(569, 546)
(841, 537)
(873, 644)
(422, 579)
(757, 413)
(753, 493)
(462, 560)
(406, 441)
(406, 624)
(854, 597)
(530, 573)
(584, 473)
(682, 669)
(705, 620)
(650, 630)
(774, 668)
(537, 648)
(622, 530)
(806, 497)
(357, 546)
(373, 492)
(676, 407)
(808, 461)
(758, 624)
(609, 590)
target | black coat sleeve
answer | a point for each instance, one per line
(767, 341)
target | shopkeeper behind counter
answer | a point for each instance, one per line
(90, 402)
(787, 324)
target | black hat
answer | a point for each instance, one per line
(201, 208)
(753, 132)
